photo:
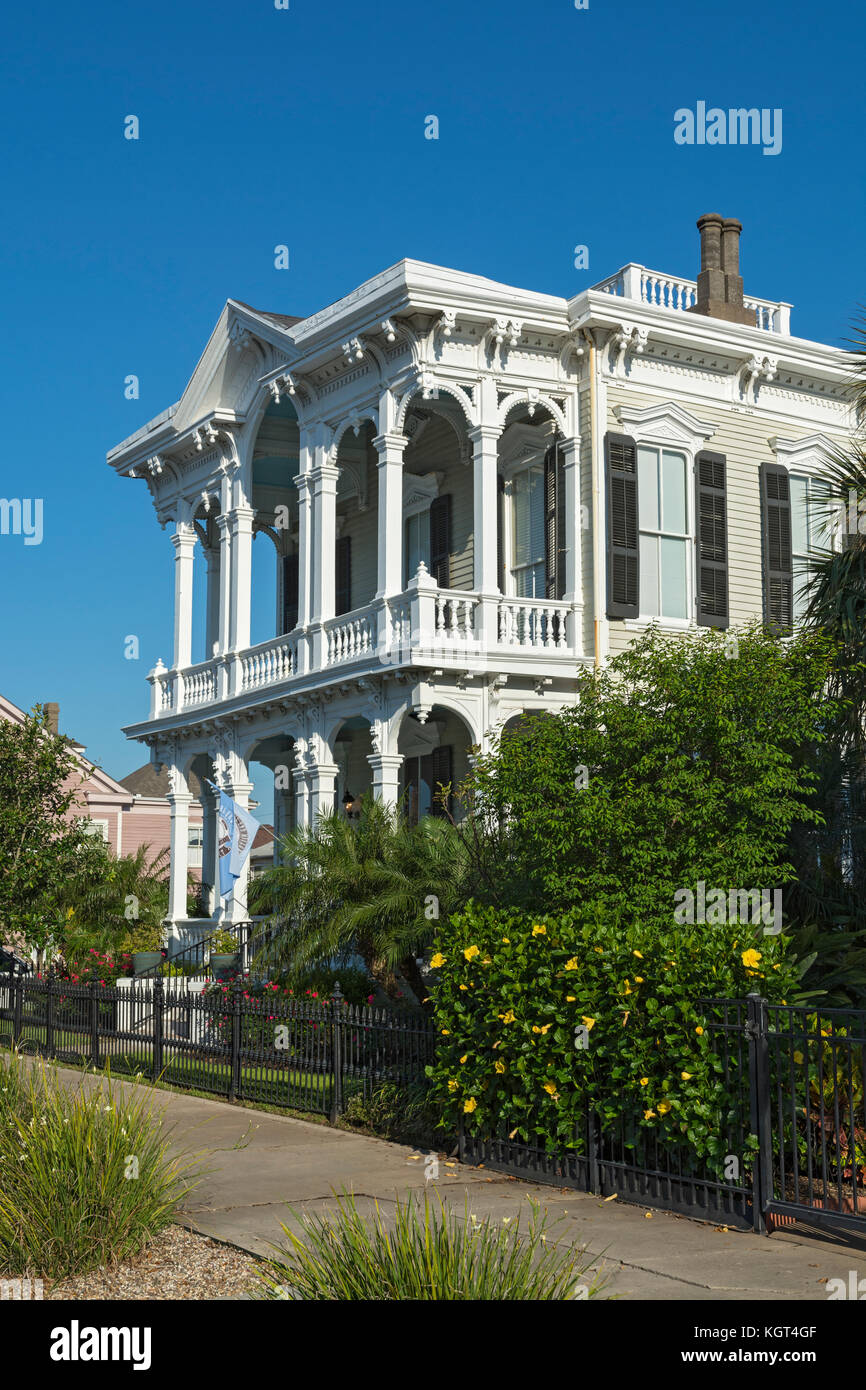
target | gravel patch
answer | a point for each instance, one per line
(177, 1264)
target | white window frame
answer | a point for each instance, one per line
(97, 825)
(668, 425)
(660, 447)
(526, 448)
(419, 492)
(801, 570)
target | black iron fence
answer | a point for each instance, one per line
(234, 1040)
(789, 1118)
(791, 1125)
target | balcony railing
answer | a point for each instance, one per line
(670, 292)
(425, 623)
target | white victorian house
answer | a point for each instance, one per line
(469, 492)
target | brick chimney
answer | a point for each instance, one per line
(52, 716)
(720, 285)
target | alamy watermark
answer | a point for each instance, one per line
(22, 516)
(736, 126)
(715, 906)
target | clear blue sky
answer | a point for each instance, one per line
(306, 127)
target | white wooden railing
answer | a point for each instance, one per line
(199, 684)
(351, 636)
(269, 663)
(536, 623)
(671, 292)
(454, 615)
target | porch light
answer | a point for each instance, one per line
(348, 802)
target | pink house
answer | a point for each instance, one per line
(128, 813)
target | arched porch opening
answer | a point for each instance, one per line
(436, 755)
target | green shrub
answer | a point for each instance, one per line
(85, 1177)
(320, 981)
(539, 1016)
(425, 1253)
(403, 1114)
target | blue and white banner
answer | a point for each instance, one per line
(236, 830)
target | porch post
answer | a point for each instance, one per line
(323, 780)
(485, 491)
(386, 776)
(179, 801)
(573, 593)
(183, 541)
(390, 448)
(212, 564)
(225, 600)
(235, 907)
(323, 481)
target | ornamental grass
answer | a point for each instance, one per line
(85, 1175)
(422, 1251)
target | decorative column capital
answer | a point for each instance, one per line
(485, 434)
(389, 443)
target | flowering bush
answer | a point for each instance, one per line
(539, 1016)
(92, 965)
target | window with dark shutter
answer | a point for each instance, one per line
(290, 592)
(711, 511)
(436, 769)
(623, 555)
(554, 524)
(440, 540)
(778, 557)
(500, 532)
(343, 595)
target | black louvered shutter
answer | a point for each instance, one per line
(554, 524)
(500, 532)
(778, 557)
(290, 592)
(623, 553)
(440, 540)
(712, 538)
(436, 769)
(343, 595)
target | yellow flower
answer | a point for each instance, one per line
(639, 954)
(699, 1030)
(505, 941)
(751, 959)
(539, 930)
(446, 1032)
(464, 1058)
(507, 1017)
(644, 1081)
(686, 1075)
(470, 1105)
(536, 1029)
(587, 1022)
(649, 1114)
(471, 952)
(570, 998)
(500, 1067)
(452, 1085)
(628, 988)
(598, 950)
(798, 1057)
(638, 979)
(573, 964)
(437, 961)
(464, 986)
(550, 1088)
(664, 1107)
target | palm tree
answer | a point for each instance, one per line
(374, 886)
(115, 898)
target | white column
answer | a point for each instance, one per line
(390, 475)
(183, 541)
(225, 600)
(386, 776)
(323, 482)
(485, 450)
(305, 504)
(241, 522)
(573, 592)
(209, 862)
(323, 778)
(485, 486)
(235, 907)
(179, 851)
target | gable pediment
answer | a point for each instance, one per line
(666, 422)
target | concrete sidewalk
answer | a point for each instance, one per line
(257, 1162)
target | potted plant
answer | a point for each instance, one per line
(224, 953)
